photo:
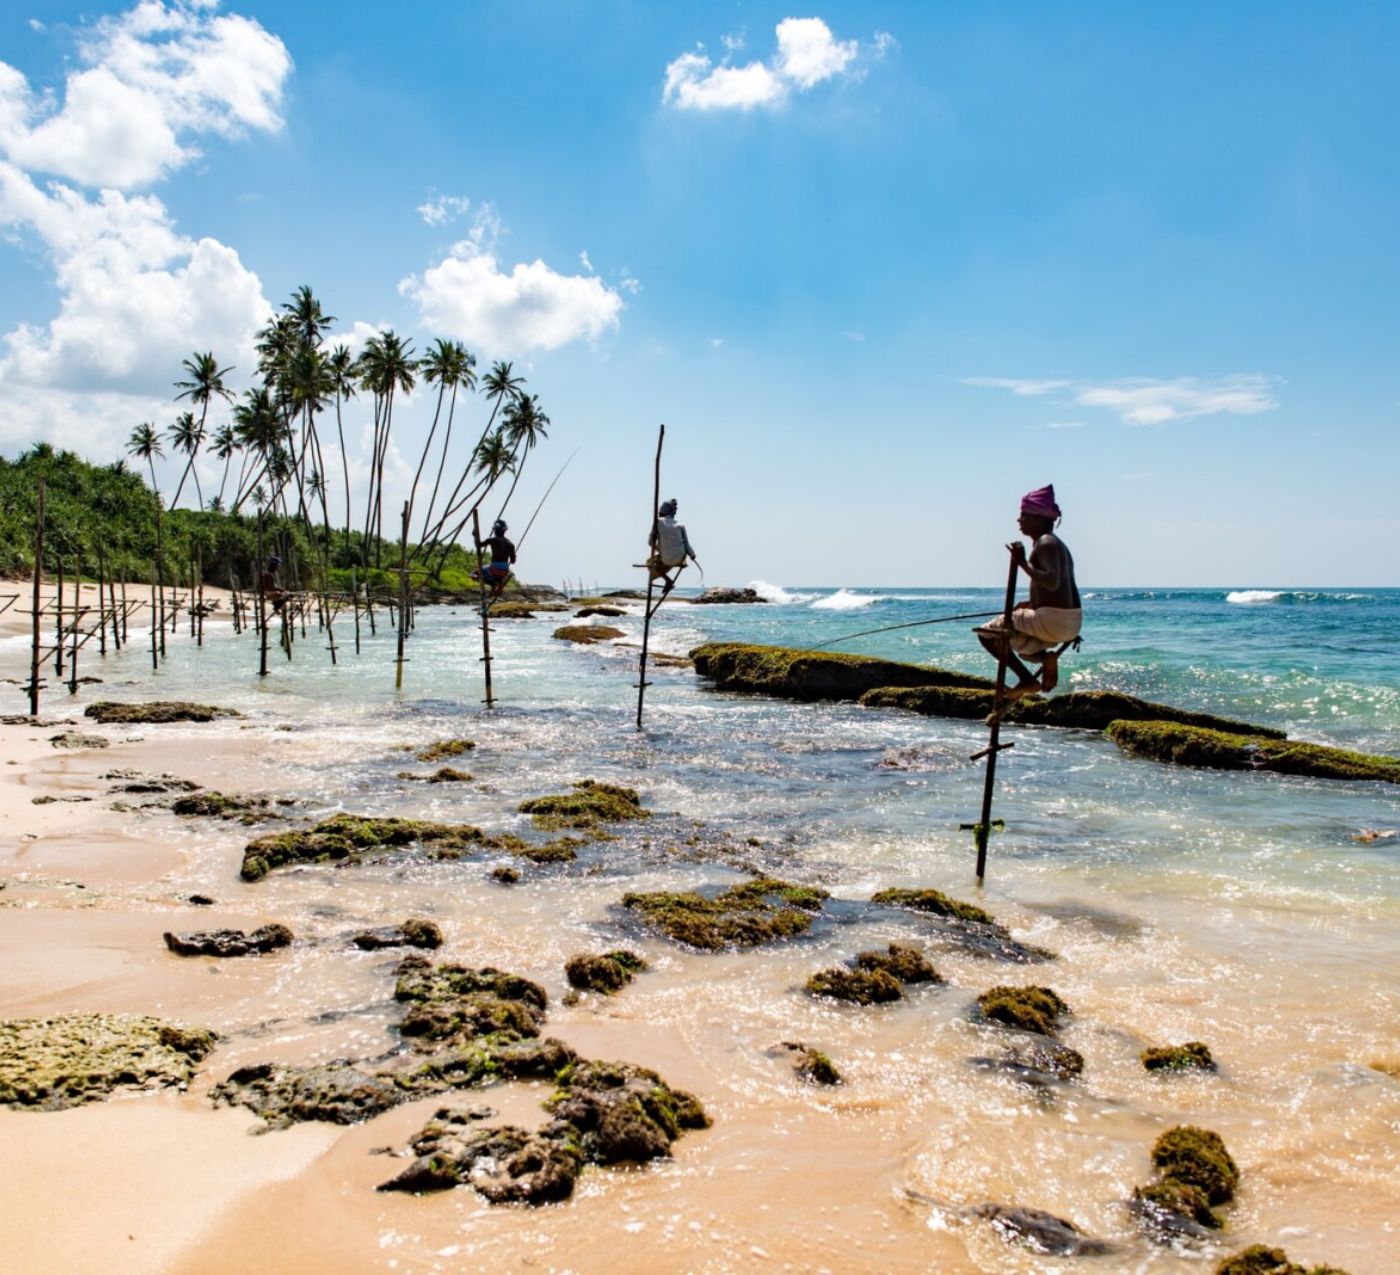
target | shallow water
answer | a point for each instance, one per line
(1231, 908)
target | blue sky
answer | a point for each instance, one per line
(880, 268)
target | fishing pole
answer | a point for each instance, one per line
(912, 624)
(545, 497)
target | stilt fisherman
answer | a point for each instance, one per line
(497, 572)
(1051, 618)
(670, 548)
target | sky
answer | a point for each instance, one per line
(880, 268)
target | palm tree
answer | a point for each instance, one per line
(384, 367)
(186, 435)
(224, 445)
(259, 432)
(447, 365)
(309, 320)
(144, 443)
(340, 372)
(524, 424)
(206, 381)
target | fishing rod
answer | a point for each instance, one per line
(912, 624)
(545, 497)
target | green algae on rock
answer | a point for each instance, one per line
(1198, 1158)
(157, 712)
(1195, 746)
(504, 875)
(607, 973)
(744, 915)
(621, 1113)
(1035, 1061)
(348, 838)
(816, 1068)
(934, 901)
(1030, 1009)
(1259, 1259)
(967, 703)
(587, 634)
(905, 963)
(556, 850)
(266, 938)
(417, 931)
(338, 1092)
(860, 987)
(47, 1064)
(218, 805)
(789, 673)
(589, 804)
(442, 775)
(505, 1165)
(1191, 1056)
(445, 748)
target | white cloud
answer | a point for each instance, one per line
(532, 307)
(629, 282)
(444, 208)
(1064, 424)
(807, 55)
(152, 78)
(585, 262)
(1152, 401)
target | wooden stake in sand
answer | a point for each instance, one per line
(36, 656)
(403, 598)
(260, 619)
(642, 682)
(485, 606)
(983, 829)
(77, 615)
(58, 620)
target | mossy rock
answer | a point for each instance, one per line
(1192, 1056)
(589, 804)
(607, 973)
(1040, 1231)
(338, 1092)
(444, 749)
(789, 673)
(556, 850)
(442, 775)
(218, 805)
(157, 712)
(266, 938)
(1197, 1157)
(859, 986)
(417, 931)
(934, 901)
(1029, 1009)
(1260, 1259)
(810, 1065)
(47, 1064)
(1036, 1061)
(506, 1165)
(968, 703)
(504, 875)
(623, 1114)
(1170, 1198)
(1195, 746)
(587, 634)
(348, 838)
(607, 612)
(905, 963)
(745, 915)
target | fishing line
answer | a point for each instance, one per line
(912, 624)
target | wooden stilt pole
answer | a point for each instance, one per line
(199, 589)
(58, 622)
(101, 603)
(651, 581)
(260, 618)
(983, 829)
(126, 612)
(155, 624)
(77, 615)
(403, 599)
(112, 611)
(485, 607)
(38, 581)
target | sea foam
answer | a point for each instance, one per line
(777, 594)
(845, 600)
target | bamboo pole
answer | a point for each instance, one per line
(155, 616)
(403, 599)
(199, 586)
(58, 621)
(651, 579)
(983, 829)
(126, 612)
(101, 602)
(485, 608)
(355, 602)
(260, 618)
(77, 615)
(35, 656)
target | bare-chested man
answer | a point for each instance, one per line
(1052, 615)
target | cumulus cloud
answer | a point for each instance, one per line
(1151, 401)
(445, 208)
(150, 80)
(807, 54)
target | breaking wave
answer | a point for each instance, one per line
(777, 594)
(1251, 597)
(845, 600)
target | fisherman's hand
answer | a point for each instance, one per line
(1018, 553)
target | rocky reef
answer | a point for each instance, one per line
(218, 805)
(934, 901)
(1027, 1009)
(745, 915)
(590, 804)
(1191, 1056)
(722, 595)
(266, 938)
(348, 838)
(1259, 1259)
(607, 973)
(445, 749)
(1196, 746)
(859, 986)
(417, 931)
(1195, 1174)
(50, 1063)
(1040, 1231)
(970, 927)
(813, 675)
(587, 634)
(905, 963)
(442, 775)
(156, 712)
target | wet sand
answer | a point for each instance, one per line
(870, 1176)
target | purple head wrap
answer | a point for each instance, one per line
(1041, 502)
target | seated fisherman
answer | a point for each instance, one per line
(1052, 617)
(271, 584)
(497, 572)
(670, 547)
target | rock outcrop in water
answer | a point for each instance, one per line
(1259, 1259)
(51, 1063)
(606, 973)
(1035, 1062)
(1028, 1009)
(348, 838)
(809, 1065)
(965, 924)
(1041, 1231)
(813, 675)
(1194, 746)
(590, 804)
(417, 931)
(1192, 1056)
(445, 749)
(1195, 1174)
(266, 938)
(905, 963)
(587, 634)
(157, 712)
(218, 805)
(745, 915)
(721, 595)
(859, 986)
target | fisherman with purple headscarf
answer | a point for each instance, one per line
(1052, 616)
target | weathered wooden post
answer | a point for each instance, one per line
(485, 607)
(35, 649)
(260, 619)
(355, 601)
(403, 598)
(77, 615)
(101, 602)
(58, 620)
(651, 579)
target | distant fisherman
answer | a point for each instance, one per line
(670, 548)
(1052, 617)
(271, 583)
(497, 573)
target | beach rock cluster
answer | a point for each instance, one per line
(587, 634)
(349, 838)
(266, 938)
(218, 805)
(1259, 1259)
(51, 1063)
(606, 973)
(726, 596)
(1028, 1009)
(1195, 1175)
(589, 804)
(445, 749)
(972, 928)
(878, 977)
(417, 931)
(442, 775)
(745, 915)
(155, 712)
(1194, 1055)
(813, 675)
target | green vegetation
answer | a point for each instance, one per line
(52, 1063)
(813, 675)
(905, 963)
(590, 804)
(607, 973)
(934, 901)
(1192, 1056)
(745, 915)
(218, 805)
(1258, 1259)
(350, 837)
(587, 634)
(1196, 746)
(861, 986)
(158, 712)
(1198, 1158)
(445, 748)
(1029, 1009)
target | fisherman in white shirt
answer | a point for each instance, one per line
(670, 547)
